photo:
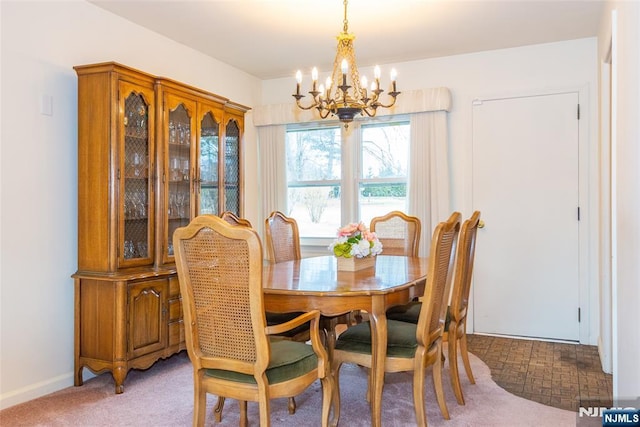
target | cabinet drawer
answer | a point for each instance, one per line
(175, 309)
(176, 333)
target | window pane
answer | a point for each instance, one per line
(313, 155)
(316, 209)
(385, 151)
(379, 199)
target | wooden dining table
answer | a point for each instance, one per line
(316, 284)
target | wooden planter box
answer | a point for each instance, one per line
(355, 264)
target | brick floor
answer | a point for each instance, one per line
(556, 374)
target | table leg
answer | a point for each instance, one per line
(378, 323)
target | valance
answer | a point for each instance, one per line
(415, 101)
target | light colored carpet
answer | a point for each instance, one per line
(163, 396)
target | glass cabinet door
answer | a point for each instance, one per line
(135, 243)
(232, 167)
(178, 196)
(208, 194)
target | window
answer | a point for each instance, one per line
(383, 169)
(314, 169)
(336, 176)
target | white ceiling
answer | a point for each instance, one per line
(274, 38)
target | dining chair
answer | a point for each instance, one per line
(283, 237)
(455, 333)
(227, 336)
(234, 219)
(398, 232)
(283, 244)
(410, 347)
(300, 333)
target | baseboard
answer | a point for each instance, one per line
(516, 337)
(33, 391)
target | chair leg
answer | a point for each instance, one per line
(464, 352)
(217, 410)
(454, 375)
(418, 395)
(291, 406)
(244, 420)
(335, 399)
(200, 406)
(437, 385)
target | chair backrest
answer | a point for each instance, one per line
(433, 310)
(234, 219)
(283, 237)
(399, 233)
(464, 267)
(220, 273)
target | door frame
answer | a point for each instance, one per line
(588, 167)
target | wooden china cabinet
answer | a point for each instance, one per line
(152, 154)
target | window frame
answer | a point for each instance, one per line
(351, 163)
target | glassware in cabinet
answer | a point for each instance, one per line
(136, 189)
(208, 194)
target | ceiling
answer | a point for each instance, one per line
(273, 38)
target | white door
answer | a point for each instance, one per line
(525, 183)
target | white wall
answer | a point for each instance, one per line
(41, 42)
(508, 72)
(625, 98)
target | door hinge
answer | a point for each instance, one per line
(578, 314)
(578, 111)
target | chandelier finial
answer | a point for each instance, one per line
(345, 94)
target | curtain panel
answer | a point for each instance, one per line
(428, 180)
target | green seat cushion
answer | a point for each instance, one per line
(289, 359)
(401, 339)
(405, 313)
(410, 313)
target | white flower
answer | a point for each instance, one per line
(361, 249)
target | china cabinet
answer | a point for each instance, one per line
(152, 154)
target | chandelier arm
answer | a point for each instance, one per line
(393, 101)
(302, 107)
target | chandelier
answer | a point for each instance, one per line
(350, 97)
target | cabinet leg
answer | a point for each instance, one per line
(119, 374)
(77, 380)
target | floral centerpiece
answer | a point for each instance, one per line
(354, 242)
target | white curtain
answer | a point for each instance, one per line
(273, 169)
(428, 188)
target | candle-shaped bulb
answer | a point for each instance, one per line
(363, 83)
(394, 74)
(314, 77)
(373, 86)
(298, 81)
(344, 66)
(376, 72)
